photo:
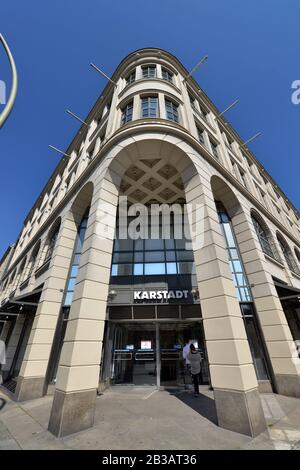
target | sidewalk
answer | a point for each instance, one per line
(143, 418)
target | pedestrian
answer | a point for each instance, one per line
(185, 352)
(187, 365)
(194, 358)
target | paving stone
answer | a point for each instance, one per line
(144, 418)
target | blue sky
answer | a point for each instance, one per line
(253, 49)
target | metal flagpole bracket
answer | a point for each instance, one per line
(59, 151)
(102, 73)
(227, 109)
(251, 139)
(77, 117)
(201, 62)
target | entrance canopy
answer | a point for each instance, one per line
(288, 295)
(26, 303)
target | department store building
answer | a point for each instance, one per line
(85, 306)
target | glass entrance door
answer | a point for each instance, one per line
(173, 337)
(134, 354)
(139, 353)
(21, 347)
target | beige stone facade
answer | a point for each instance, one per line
(154, 136)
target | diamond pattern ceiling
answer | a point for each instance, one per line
(152, 180)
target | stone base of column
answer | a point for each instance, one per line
(288, 385)
(72, 412)
(240, 411)
(29, 388)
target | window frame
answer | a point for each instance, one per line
(149, 107)
(167, 75)
(175, 106)
(147, 75)
(127, 113)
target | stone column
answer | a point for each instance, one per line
(5, 330)
(277, 335)
(12, 345)
(79, 369)
(232, 372)
(31, 381)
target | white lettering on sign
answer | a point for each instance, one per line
(160, 294)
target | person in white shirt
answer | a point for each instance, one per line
(194, 357)
(187, 365)
(185, 351)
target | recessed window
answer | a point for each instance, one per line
(149, 107)
(214, 149)
(171, 111)
(152, 257)
(130, 78)
(75, 261)
(288, 255)
(166, 75)
(192, 101)
(263, 237)
(204, 112)
(149, 71)
(243, 176)
(235, 261)
(127, 113)
(51, 244)
(200, 135)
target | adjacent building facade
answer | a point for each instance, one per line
(85, 307)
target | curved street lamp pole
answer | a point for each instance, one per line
(13, 93)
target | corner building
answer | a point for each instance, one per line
(83, 309)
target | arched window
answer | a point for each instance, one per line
(243, 293)
(297, 253)
(235, 260)
(51, 243)
(33, 258)
(21, 270)
(12, 278)
(263, 237)
(4, 285)
(288, 256)
(75, 261)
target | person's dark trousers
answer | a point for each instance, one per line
(196, 383)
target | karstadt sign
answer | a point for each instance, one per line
(161, 294)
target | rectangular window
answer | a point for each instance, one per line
(127, 113)
(243, 177)
(121, 270)
(130, 78)
(205, 113)
(149, 71)
(193, 102)
(155, 268)
(200, 135)
(153, 256)
(166, 75)
(214, 148)
(149, 107)
(171, 111)
(250, 165)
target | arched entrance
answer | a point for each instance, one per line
(153, 303)
(231, 368)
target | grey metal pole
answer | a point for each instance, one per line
(14, 87)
